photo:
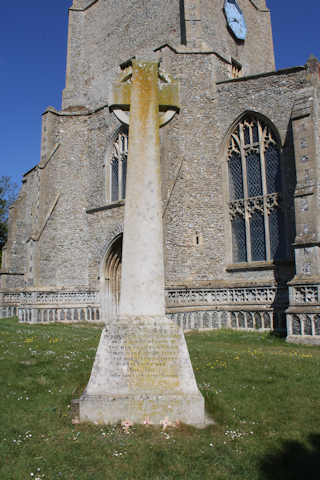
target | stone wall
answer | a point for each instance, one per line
(94, 53)
(96, 27)
(256, 54)
(198, 237)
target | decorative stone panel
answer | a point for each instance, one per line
(306, 294)
(60, 314)
(304, 328)
(195, 308)
(37, 307)
(223, 296)
(215, 319)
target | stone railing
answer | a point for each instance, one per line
(58, 298)
(238, 320)
(248, 308)
(46, 314)
(11, 298)
(46, 306)
(225, 296)
(198, 308)
(303, 315)
(8, 311)
(305, 294)
(303, 328)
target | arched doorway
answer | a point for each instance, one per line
(112, 278)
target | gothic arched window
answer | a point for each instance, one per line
(118, 166)
(255, 191)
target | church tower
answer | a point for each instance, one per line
(105, 33)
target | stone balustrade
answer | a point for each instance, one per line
(194, 308)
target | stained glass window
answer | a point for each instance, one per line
(255, 193)
(118, 167)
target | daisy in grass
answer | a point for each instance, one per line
(165, 423)
(126, 424)
(147, 421)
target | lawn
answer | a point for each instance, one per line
(263, 394)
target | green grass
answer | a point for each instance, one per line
(262, 393)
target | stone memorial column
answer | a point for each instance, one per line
(142, 254)
(142, 367)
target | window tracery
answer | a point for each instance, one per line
(255, 192)
(118, 166)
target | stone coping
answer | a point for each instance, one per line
(302, 282)
(304, 339)
(304, 308)
(109, 206)
(3, 272)
(251, 266)
(83, 9)
(283, 71)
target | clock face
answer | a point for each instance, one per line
(235, 19)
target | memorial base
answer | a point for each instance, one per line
(107, 409)
(142, 371)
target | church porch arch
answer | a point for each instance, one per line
(110, 279)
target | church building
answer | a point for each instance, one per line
(240, 173)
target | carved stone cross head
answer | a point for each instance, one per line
(168, 90)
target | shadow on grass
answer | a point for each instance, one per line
(294, 461)
(278, 334)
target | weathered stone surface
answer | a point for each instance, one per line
(142, 369)
(142, 278)
(94, 50)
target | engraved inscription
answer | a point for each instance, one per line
(155, 357)
(144, 357)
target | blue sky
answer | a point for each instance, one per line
(33, 39)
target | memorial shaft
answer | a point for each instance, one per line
(142, 367)
(142, 283)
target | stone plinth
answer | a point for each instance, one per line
(142, 369)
